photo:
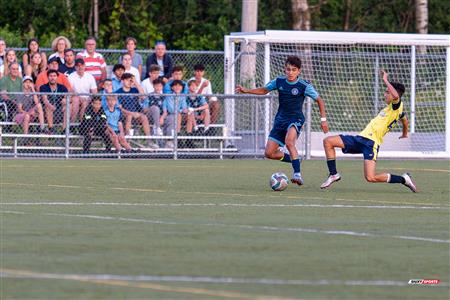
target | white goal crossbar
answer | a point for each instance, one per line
(344, 67)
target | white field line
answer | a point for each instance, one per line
(245, 227)
(263, 205)
(278, 196)
(207, 279)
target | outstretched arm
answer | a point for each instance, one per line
(391, 89)
(405, 124)
(323, 115)
(257, 91)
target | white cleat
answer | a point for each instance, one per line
(332, 178)
(409, 182)
(297, 179)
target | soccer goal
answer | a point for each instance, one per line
(345, 70)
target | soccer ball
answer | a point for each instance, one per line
(279, 181)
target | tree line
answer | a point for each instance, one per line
(200, 24)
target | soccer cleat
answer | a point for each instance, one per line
(332, 178)
(409, 182)
(297, 179)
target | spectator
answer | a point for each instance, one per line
(11, 83)
(95, 64)
(153, 74)
(198, 109)
(115, 126)
(136, 58)
(2, 51)
(107, 89)
(10, 58)
(82, 83)
(69, 66)
(33, 47)
(35, 67)
(167, 119)
(116, 79)
(204, 87)
(94, 123)
(126, 60)
(55, 105)
(59, 45)
(28, 106)
(152, 106)
(177, 74)
(131, 104)
(162, 59)
(53, 64)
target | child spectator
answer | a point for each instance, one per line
(116, 79)
(152, 106)
(59, 45)
(126, 61)
(115, 126)
(198, 109)
(28, 106)
(204, 87)
(153, 74)
(167, 119)
(33, 47)
(136, 58)
(177, 74)
(94, 123)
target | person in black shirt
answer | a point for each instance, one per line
(94, 123)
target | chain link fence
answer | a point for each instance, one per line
(45, 125)
(212, 60)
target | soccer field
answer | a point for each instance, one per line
(209, 229)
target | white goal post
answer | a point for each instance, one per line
(345, 68)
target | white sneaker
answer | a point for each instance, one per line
(297, 178)
(330, 180)
(169, 144)
(409, 182)
(153, 145)
(157, 131)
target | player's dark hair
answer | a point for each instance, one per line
(199, 67)
(127, 76)
(118, 66)
(177, 69)
(96, 98)
(294, 61)
(52, 71)
(154, 67)
(400, 88)
(158, 81)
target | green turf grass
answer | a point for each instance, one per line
(218, 239)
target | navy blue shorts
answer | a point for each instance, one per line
(281, 127)
(358, 144)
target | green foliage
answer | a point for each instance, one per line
(196, 24)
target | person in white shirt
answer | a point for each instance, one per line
(127, 62)
(204, 87)
(147, 84)
(82, 83)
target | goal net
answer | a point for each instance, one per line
(345, 70)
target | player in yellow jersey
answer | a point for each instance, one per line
(369, 140)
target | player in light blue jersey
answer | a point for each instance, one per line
(289, 119)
